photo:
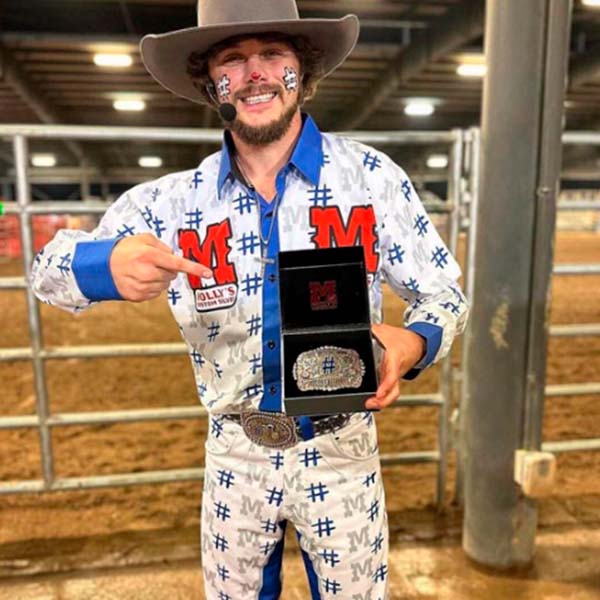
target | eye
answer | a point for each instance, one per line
(232, 59)
(273, 53)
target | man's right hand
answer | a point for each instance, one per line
(142, 267)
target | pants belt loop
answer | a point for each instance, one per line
(306, 428)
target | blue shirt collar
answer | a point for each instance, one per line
(307, 156)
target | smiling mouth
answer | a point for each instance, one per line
(259, 98)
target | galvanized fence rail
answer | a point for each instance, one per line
(38, 353)
(575, 330)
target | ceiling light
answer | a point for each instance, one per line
(419, 107)
(471, 70)
(43, 160)
(150, 162)
(437, 161)
(134, 104)
(591, 3)
(112, 60)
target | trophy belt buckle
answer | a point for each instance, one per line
(271, 430)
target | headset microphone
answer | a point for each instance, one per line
(228, 112)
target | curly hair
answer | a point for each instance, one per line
(309, 57)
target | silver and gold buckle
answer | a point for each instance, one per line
(270, 430)
(328, 368)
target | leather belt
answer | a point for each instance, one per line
(278, 430)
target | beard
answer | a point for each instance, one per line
(263, 135)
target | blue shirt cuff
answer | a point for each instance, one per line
(92, 269)
(432, 334)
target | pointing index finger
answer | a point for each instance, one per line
(178, 264)
(184, 265)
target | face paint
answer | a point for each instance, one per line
(290, 79)
(223, 87)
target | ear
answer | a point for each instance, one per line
(212, 92)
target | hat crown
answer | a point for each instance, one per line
(227, 12)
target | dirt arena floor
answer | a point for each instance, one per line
(132, 525)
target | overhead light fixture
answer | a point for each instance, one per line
(112, 60)
(437, 161)
(150, 162)
(130, 104)
(471, 70)
(419, 107)
(591, 3)
(43, 160)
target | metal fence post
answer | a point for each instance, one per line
(33, 313)
(526, 51)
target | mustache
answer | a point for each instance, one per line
(251, 90)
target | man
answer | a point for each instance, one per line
(210, 237)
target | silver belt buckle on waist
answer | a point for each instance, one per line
(270, 430)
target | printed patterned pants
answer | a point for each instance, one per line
(330, 488)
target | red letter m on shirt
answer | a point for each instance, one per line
(330, 230)
(212, 252)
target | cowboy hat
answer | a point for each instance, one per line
(165, 55)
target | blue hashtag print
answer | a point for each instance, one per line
(380, 573)
(331, 585)
(277, 460)
(220, 542)
(331, 557)
(373, 510)
(320, 195)
(274, 496)
(226, 478)
(223, 572)
(158, 229)
(421, 224)
(243, 203)
(65, 261)
(396, 254)
(213, 331)
(269, 526)
(310, 456)
(406, 190)
(440, 257)
(197, 179)
(248, 243)
(194, 218)
(222, 511)
(411, 284)
(377, 544)
(254, 325)
(251, 284)
(323, 527)
(125, 230)
(316, 492)
(371, 161)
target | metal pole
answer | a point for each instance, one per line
(526, 50)
(472, 158)
(446, 377)
(84, 181)
(6, 191)
(33, 313)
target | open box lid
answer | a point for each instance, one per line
(323, 288)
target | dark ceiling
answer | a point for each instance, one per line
(406, 48)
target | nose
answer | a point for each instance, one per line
(254, 70)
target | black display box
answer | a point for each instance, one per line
(325, 320)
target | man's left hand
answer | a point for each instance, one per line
(403, 350)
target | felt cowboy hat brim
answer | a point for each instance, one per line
(165, 55)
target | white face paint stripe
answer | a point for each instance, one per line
(290, 79)
(223, 87)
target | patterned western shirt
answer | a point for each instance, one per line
(333, 192)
